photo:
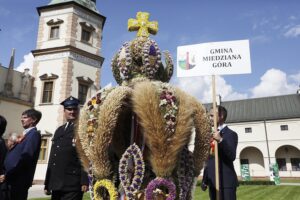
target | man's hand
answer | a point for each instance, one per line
(203, 186)
(84, 188)
(47, 192)
(2, 178)
(216, 136)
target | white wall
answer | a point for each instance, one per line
(276, 139)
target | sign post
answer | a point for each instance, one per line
(215, 143)
(215, 58)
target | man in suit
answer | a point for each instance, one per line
(3, 187)
(227, 141)
(21, 160)
(65, 177)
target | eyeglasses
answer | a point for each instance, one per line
(70, 109)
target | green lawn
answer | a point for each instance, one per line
(254, 192)
(257, 192)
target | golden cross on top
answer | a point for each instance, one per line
(142, 25)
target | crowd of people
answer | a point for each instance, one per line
(65, 178)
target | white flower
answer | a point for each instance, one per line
(163, 102)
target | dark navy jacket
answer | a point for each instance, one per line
(21, 160)
(3, 151)
(227, 154)
(64, 172)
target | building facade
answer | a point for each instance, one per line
(16, 94)
(269, 132)
(67, 61)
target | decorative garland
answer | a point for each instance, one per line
(169, 66)
(88, 123)
(133, 151)
(115, 69)
(158, 61)
(90, 178)
(124, 61)
(185, 173)
(92, 110)
(169, 106)
(107, 184)
(161, 182)
(151, 49)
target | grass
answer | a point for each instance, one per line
(252, 192)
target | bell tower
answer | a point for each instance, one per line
(67, 57)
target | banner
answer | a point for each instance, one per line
(274, 173)
(215, 58)
(245, 173)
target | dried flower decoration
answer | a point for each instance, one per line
(93, 109)
(169, 106)
(185, 173)
(154, 184)
(131, 188)
(109, 186)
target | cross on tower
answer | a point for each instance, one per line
(142, 25)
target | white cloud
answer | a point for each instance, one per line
(295, 77)
(264, 24)
(292, 17)
(264, 21)
(260, 39)
(274, 82)
(200, 87)
(27, 63)
(109, 85)
(254, 26)
(293, 32)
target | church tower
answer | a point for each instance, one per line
(67, 56)
(67, 61)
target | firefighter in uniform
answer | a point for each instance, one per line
(65, 177)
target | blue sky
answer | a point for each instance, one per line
(272, 26)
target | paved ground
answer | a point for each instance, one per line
(36, 191)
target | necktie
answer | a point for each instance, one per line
(67, 125)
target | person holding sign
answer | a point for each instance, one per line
(227, 143)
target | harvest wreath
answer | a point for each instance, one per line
(133, 138)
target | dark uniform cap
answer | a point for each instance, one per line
(70, 102)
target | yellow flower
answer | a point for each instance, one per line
(107, 184)
(94, 101)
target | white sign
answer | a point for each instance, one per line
(214, 58)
